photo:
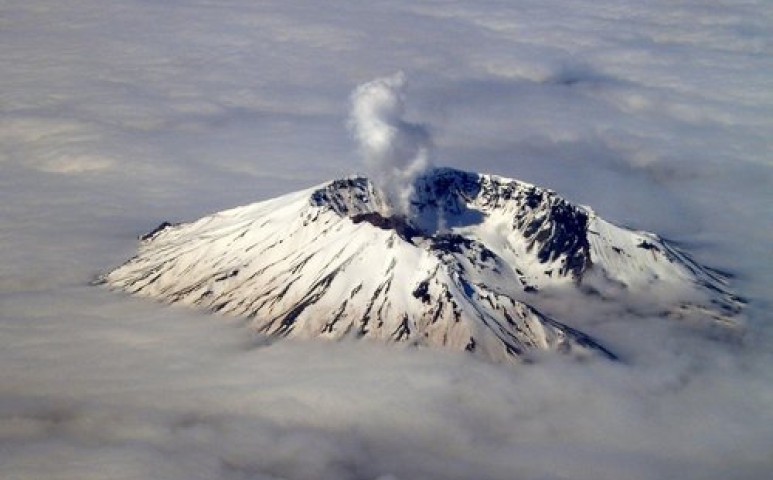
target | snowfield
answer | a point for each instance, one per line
(464, 271)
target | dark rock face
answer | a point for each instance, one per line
(399, 224)
(349, 197)
(163, 226)
(561, 233)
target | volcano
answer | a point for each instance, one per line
(469, 269)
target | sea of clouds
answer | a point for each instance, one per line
(116, 115)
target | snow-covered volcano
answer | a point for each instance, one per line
(468, 270)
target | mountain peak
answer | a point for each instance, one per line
(463, 269)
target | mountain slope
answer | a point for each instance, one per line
(464, 272)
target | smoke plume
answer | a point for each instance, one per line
(394, 150)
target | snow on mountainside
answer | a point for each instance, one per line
(467, 271)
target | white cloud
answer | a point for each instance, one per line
(657, 114)
(394, 150)
(69, 164)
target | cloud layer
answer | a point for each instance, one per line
(118, 115)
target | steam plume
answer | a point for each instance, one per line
(394, 150)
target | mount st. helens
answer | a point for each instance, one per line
(474, 268)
